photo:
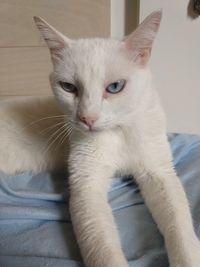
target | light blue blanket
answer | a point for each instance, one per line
(35, 226)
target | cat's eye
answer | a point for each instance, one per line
(116, 87)
(69, 87)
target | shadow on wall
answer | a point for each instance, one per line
(131, 21)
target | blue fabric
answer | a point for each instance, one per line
(35, 226)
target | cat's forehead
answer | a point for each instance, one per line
(99, 58)
(94, 49)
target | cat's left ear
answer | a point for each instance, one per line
(141, 40)
(55, 40)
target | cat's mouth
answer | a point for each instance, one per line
(93, 129)
(90, 129)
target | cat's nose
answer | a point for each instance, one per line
(89, 120)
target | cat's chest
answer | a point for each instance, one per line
(111, 148)
(121, 151)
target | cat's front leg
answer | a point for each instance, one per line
(166, 199)
(92, 217)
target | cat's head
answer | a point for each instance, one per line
(100, 82)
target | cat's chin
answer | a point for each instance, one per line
(94, 130)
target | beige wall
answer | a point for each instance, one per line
(24, 58)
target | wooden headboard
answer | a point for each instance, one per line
(24, 58)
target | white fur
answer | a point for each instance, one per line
(129, 137)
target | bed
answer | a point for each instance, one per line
(35, 226)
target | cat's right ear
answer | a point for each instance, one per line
(55, 40)
(141, 40)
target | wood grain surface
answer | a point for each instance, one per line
(24, 58)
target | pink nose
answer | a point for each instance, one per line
(89, 120)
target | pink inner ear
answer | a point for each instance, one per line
(55, 51)
(143, 56)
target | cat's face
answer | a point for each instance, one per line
(93, 80)
(99, 82)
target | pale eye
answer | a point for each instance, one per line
(116, 87)
(69, 87)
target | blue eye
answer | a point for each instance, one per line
(116, 87)
(69, 87)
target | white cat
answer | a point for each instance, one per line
(111, 122)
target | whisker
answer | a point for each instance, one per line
(60, 135)
(51, 127)
(55, 133)
(45, 118)
(66, 135)
(63, 135)
(51, 140)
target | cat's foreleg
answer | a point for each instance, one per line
(92, 218)
(166, 199)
